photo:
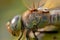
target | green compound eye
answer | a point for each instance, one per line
(14, 26)
(15, 23)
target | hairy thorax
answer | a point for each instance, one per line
(34, 19)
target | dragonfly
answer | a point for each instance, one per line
(40, 18)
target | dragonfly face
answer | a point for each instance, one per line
(14, 26)
(32, 20)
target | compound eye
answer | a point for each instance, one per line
(13, 26)
(14, 21)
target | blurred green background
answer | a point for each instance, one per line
(8, 9)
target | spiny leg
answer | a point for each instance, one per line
(35, 36)
(20, 36)
(27, 35)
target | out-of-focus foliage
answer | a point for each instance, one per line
(6, 3)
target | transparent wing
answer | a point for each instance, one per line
(52, 4)
(34, 4)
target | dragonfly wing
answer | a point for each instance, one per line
(33, 4)
(52, 4)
